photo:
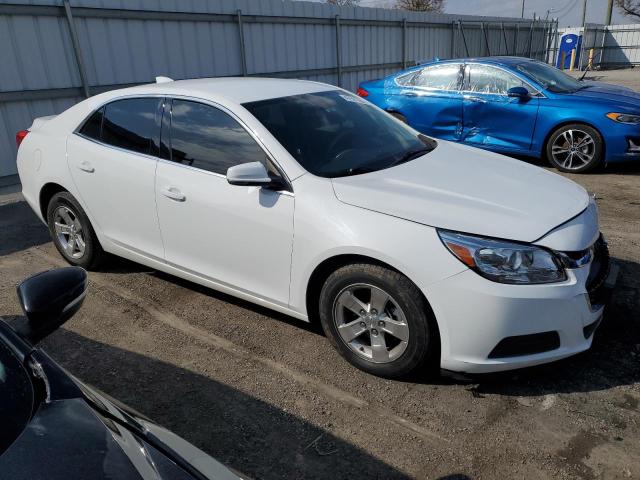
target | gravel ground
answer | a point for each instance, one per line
(267, 395)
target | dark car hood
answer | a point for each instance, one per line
(608, 93)
(80, 433)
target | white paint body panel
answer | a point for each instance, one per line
(263, 246)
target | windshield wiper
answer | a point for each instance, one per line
(410, 155)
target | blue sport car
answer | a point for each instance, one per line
(515, 105)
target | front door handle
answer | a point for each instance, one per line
(173, 193)
(86, 167)
(475, 99)
(409, 94)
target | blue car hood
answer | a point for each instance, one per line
(609, 93)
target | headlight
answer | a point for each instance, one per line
(624, 118)
(504, 262)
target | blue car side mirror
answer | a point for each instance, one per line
(49, 299)
(518, 92)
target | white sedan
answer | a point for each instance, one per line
(304, 198)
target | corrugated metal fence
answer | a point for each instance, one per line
(56, 53)
(614, 46)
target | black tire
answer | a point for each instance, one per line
(399, 116)
(93, 254)
(594, 149)
(423, 345)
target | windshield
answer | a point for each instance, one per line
(550, 78)
(335, 134)
(16, 397)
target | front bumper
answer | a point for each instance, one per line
(475, 315)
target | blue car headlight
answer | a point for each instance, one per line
(504, 262)
(624, 118)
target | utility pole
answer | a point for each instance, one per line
(609, 10)
(522, 12)
(584, 13)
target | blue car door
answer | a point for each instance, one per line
(491, 119)
(431, 101)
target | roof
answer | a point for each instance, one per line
(499, 60)
(234, 89)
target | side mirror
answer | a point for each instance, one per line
(49, 299)
(252, 174)
(518, 92)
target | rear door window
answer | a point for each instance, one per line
(205, 137)
(132, 124)
(436, 77)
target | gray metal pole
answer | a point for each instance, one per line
(76, 49)
(516, 34)
(486, 39)
(454, 38)
(338, 51)
(243, 53)
(531, 37)
(404, 43)
(504, 37)
(522, 12)
(584, 13)
(607, 20)
(464, 38)
(555, 43)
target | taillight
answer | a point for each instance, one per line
(20, 136)
(362, 92)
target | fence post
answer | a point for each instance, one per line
(338, 51)
(454, 43)
(464, 38)
(604, 38)
(504, 37)
(555, 43)
(531, 37)
(404, 43)
(516, 34)
(243, 53)
(486, 40)
(76, 49)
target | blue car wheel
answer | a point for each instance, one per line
(575, 148)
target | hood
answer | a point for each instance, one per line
(466, 189)
(608, 93)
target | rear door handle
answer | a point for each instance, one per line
(173, 193)
(476, 99)
(86, 167)
(409, 94)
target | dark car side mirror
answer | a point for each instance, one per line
(518, 92)
(49, 299)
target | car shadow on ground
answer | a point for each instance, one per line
(237, 429)
(613, 360)
(20, 228)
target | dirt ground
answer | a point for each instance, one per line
(267, 395)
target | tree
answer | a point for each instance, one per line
(630, 8)
(435, 6)
(344, 3)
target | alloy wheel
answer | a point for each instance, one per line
(69, 232)
(371, 323)
(573, 149)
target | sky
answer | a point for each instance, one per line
(569, 12)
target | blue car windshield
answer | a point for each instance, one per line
(336, 134)
(550, 78)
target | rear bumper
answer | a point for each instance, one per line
(476, 315)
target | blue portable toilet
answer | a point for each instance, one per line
(569, 42)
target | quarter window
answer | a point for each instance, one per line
(205, 137)
(486, 79)
(131, 124)
(92, 128)
(437, 77)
